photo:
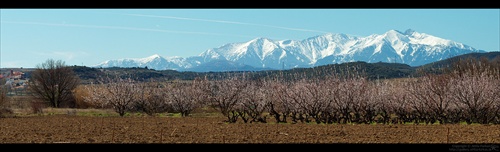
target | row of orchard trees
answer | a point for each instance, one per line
(126, 95)
(467, 93)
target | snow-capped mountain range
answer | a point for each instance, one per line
(407, 47)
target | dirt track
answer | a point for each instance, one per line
(88, 129)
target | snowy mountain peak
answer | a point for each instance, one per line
(150, 58)
(173, 57)
(393, 32)
(408, 47)
(409, 32)
(426, 39)
(155, 56)
(337, 37)
(394, 35)
(259, 39)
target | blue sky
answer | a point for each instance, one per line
(90, 36)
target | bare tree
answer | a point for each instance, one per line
(225, 96)
(434, 92)
(119, 94)
(397, 102)
(141, 98)
(478, 95)
(157, 100)
(185, 97)
(474, 85)
(356, 97)
(279, 105)
(294, 111)
(254, 102)
(379, 102)
(54, 82)
(94, 96)
(331, 111)
(309, 97)
(151, 98)
(349, 94)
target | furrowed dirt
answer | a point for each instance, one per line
(88, 129)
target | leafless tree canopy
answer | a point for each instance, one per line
(118, 94)
(468, 92)
(184, 97)
(53, 82)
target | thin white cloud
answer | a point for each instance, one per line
(227, 22)
(66, 55)
(121, 28)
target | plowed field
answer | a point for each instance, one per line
(92, 129)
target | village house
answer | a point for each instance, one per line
(15, 82)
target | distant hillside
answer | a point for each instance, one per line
(436, 67)
(85, 73)
(89, 74)
(378, 70)
(372, 70)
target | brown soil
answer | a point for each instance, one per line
(93, 129)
